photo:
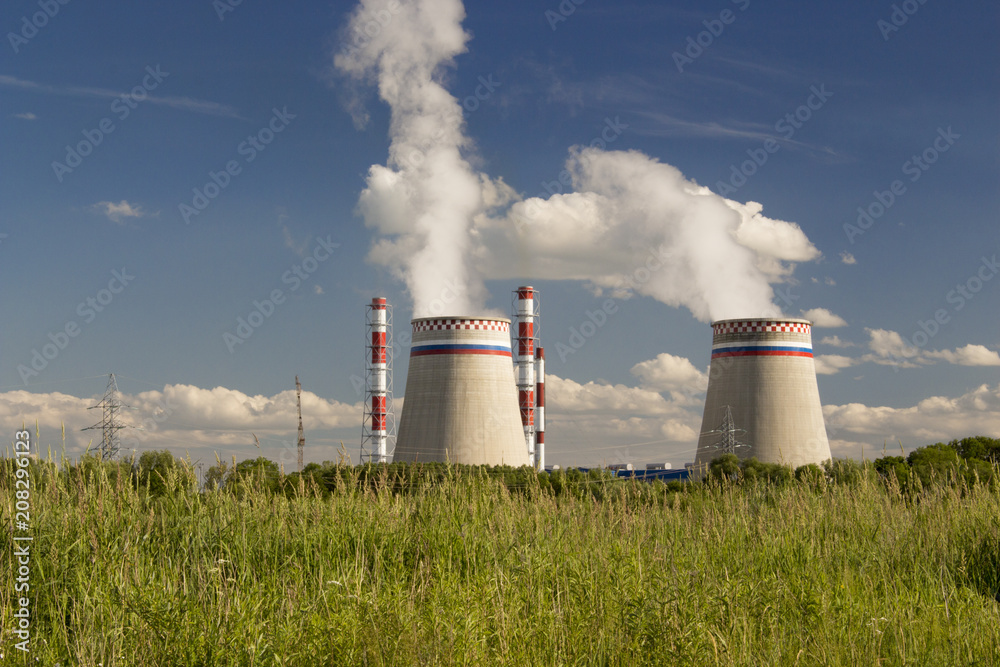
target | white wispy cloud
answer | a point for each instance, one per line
(823, 318)
(835, 341)
(847, 258)
(181, 103)
(116, 212)
(27, 115)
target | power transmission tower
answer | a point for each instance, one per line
(728, 444)
(109, 424)
(302, 434)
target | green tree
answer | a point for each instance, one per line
(893, 467)
(934, 463)
(160, 473)
(978, 447)
(726, 466)
(260, 473)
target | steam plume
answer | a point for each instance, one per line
(631, 225)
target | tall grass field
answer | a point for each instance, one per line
(499, 567)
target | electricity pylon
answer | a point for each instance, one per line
(109, 424)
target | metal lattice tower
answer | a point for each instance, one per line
(378, 430)
(109, 424)
(727, 429)
(302, 434)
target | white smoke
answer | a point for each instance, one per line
(423, 201)
(637, 225)
(633, 224)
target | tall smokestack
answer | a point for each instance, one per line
(461, 404)
(540, 408)
(763, 399)
(524, 363)
(378, 422)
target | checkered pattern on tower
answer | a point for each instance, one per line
(450, 324)
(761, 326)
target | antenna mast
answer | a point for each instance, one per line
(109, 424)
(302, 434)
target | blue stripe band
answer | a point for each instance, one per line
(428, 348)
(763, 348)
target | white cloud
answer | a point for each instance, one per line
(444, 226)
(891, 349)
(182, 103)
(188, 418)
(830, 364)
(847, 258)
(835, 341)
(26, 116)
(676, 375)
(595, 422)
(970, 355)
(823, 318)
(635, 225)
(116, 212)
(935, 419)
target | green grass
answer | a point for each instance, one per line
(465, 572)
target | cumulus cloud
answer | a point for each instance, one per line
(835, 341)
(823, 318)
(890, 348)
(667, 373)
(830, 364)
(116, 212)
(596, 422)
(970, 355)
(847, 258)
(934, 419)
(188, 418)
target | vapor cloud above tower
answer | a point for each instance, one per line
(444, 227)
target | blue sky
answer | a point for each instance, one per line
(549, 76)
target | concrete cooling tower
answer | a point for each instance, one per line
(461, 402)
(763, 400)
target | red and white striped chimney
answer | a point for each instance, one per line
(524, 361)
(378, 383)
(540, 408)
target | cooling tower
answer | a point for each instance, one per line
(461, 402)
(763, 400)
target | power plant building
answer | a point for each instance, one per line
(763, 398)
(461, 400)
